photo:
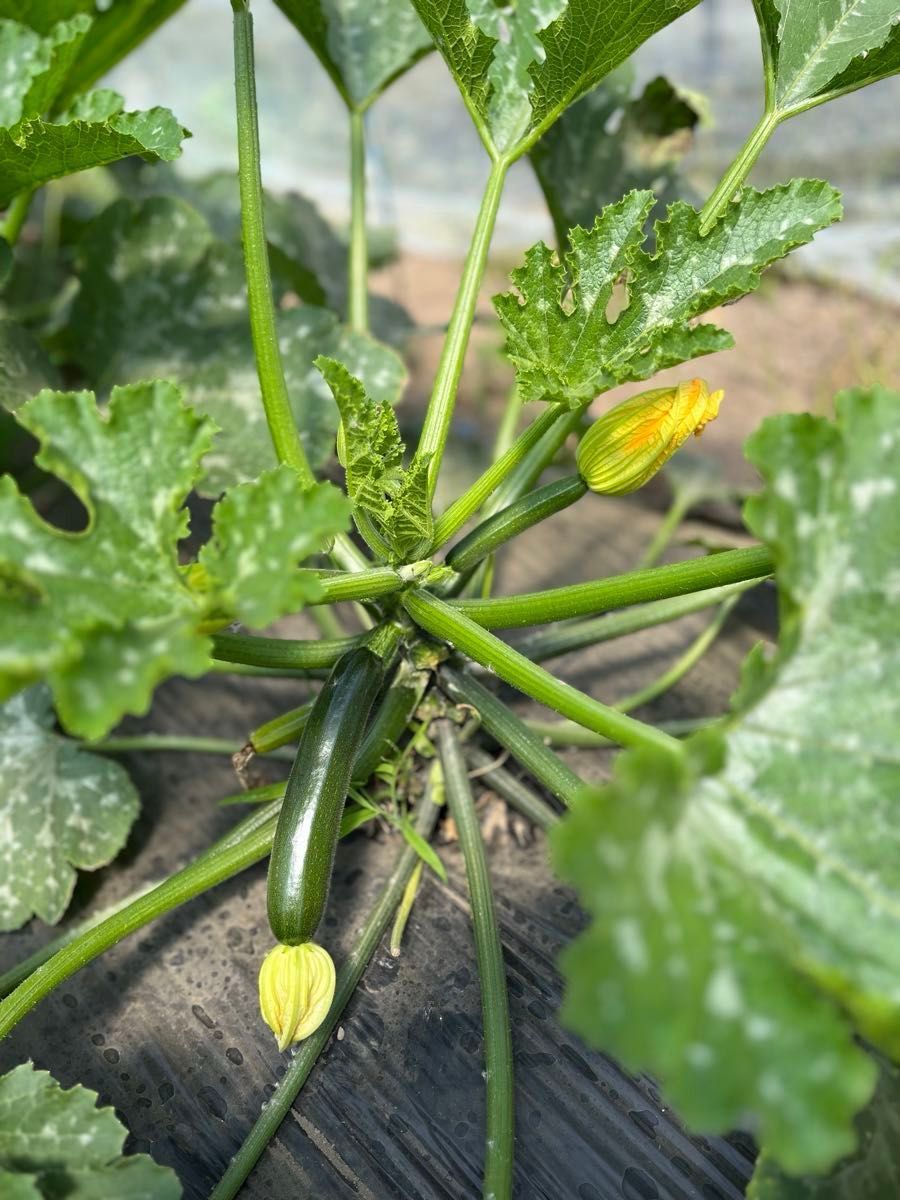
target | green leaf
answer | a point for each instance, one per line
(647, 137)
(305, 252)
(394, 497)
(42, 15)
(520, 65)
(564, 346)
(811, 43)
(56, 1143)
(118, 28)
(362, 46)
(61, 808)
(746, 894)
(872, 1173)
(256, 533)
(32, 152)
(35, 67)
(160, 296)
(107, 613)
(24, 367)
(865, 69)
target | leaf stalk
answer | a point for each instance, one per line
(436, 427)
(260, 300)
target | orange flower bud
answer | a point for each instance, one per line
(296, 987)
(630, 443)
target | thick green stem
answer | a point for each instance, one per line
(165, 741)
(513, 734)
(16, 215)
(358, 261)
(256, 795)
(454, 517)
(569, 733)
(565, 637)
(11, 979)
(281, 730)
(359, 585)
(244, 845)
(524, 476)
(440, 408)
(348, 976)
(498, 1074)
(282, 653)
(347, 555)
(737, 172)
(517, 794)
(506, 430)
(440, 620)
(619, 591)
(276, 400)
(229, 668)
(513, 520)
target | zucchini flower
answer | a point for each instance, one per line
(630, 443)
(296, 987)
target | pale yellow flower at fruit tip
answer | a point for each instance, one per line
(296, 988)
(628, 445)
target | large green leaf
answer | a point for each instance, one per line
(24, 366)
(60, 808)
(817, 49)
(107, 613)
(872, 1172)
(817, 40)
(162, 297)
(520, 65)
(563, 344)
(119, 26)
(746, 892)
(394, 497)
(56, 1143)
(33, 151)
(306, 254)
(258, 534)
(362, 46)
(42, 15)
(34, 67)
(646, 137)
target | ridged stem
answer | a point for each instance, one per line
(619, 591)
(575, 635)
(440, 620)
(283, 653)
(454, 517)
(513, 734)
(498, 1060)
(443, 397)
(358, 258)
(260, 300)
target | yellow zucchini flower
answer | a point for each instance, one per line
(630, 443)
(296, 987)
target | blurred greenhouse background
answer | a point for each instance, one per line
(427, 167)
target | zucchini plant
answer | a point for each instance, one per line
(741, 881)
